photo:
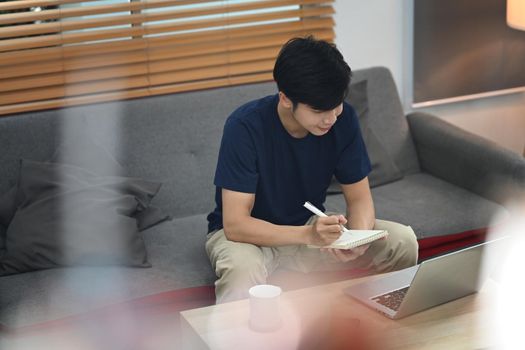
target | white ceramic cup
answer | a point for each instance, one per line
(265, 315)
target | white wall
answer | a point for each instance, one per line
(379, 32)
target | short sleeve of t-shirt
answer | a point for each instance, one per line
(237, 162)
(354, 164)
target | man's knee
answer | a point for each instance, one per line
(408, 247)
(238, 267)
(226, 255)
(242, 267)
(237, 274)
(402, 245)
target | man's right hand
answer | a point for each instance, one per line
(326, 230)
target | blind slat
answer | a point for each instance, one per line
(73, 90)
(85, 75)
(212, 60)
(42, 54)
(165, 52)
(235, 35)
(195, 25)
(24, 4)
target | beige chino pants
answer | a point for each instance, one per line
(239, 266)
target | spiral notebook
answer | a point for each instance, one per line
(354, 238)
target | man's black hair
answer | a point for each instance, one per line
(312, 72)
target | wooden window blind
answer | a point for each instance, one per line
(68, 52)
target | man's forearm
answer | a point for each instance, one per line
(263, 233)
(361, 215)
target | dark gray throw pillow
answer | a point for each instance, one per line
(89, 155)
(84, 152)
(71, 216)
(384, 170)
(7, 211)
(150, 216)
(81, 150)
(2, 239)
(8, 206)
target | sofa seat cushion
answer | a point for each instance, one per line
(177, 255)
(436, 207)
(177, 252)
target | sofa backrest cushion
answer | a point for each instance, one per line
(387, 119)
(174, 139)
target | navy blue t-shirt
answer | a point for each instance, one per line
(257, 155)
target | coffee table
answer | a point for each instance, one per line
(323, 317)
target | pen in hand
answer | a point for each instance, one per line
(317, 212)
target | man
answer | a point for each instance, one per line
(282, 150)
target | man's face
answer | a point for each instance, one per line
(314, 121)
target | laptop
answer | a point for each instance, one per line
(433, 282)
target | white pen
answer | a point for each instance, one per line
(317, 212)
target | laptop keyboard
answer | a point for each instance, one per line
(392, 300)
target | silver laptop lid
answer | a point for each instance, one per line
(448, 277)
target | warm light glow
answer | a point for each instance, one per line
(506, 306)
(516, 14)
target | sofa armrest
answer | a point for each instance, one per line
(465, 159)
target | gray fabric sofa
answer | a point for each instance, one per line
(447, 185)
